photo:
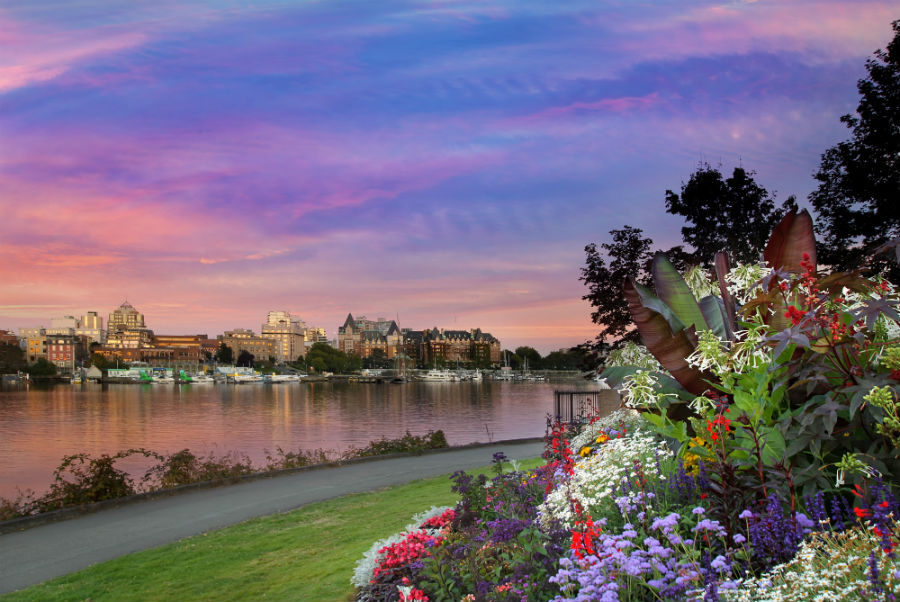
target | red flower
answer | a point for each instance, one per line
(862, 512)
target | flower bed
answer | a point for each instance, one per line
(757, 458)
(627, 521)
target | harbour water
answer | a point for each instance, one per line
(40, 425)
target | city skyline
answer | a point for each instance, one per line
(440, 162)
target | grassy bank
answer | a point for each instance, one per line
(307, 554)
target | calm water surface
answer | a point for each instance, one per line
(38, 426)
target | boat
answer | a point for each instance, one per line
(437, 376)
(244, 378)
(283, 378)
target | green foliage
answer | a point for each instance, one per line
(245, 359)
(535, 361)
(733, 214)
(224, 354)
(810, 379)
(81, 479)
(42, 367)
(856, 201)
(377, 360)
(185, 467)
(406, 444)
(101, 362)
(570, 359)
(325, 358)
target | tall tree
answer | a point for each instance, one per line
(225, 354)
(857, 202)
(629, 255)
(734, 214)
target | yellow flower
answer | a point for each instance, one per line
(585, 451)
(603, 438)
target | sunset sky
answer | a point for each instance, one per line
(445, 162)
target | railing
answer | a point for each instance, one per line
(579, 406)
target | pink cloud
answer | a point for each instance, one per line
(33, 53)
(608, 105)
(821, 30)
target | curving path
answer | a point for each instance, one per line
(55, 549)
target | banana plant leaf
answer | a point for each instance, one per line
(713, 309)
(790, 239)
(649, 300)
(675, 293)
(723, 266)
(671, 349)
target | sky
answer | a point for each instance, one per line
(442, 162)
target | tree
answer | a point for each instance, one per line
(378, 359)
(325, 358)
(42, 367)
(629, 254)
(245, 359)
(531, 355)
(736, 214)
(857, 202)
(224, 355)
(12, 358)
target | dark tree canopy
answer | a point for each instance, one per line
(735, 214)
(629, 255)
(532, 355)
(245, 359)
(225, 354)
(857, 202)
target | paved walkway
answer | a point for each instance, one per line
(51, 550)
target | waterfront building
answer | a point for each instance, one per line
(447, 347)
(187, 349)
(91, 326)
(361, 336)
(243, 339)
(66, 351)
(129, 339)
(35, 343)
(288, 333)
(63, 325)
(125, 317)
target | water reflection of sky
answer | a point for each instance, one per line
(40, 426)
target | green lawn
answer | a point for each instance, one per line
(305, 555)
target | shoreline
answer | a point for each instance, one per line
(23, 523)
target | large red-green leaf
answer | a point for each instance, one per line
(670, 349)
(674, 292)
(651, 301)
(790, 239)
(723, 266)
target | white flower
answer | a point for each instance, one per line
(596, 477)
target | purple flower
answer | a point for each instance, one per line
(746, 514)
(738, 538)
(698, 510)
(711, 526)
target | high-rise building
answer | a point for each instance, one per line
(65, 325)
(92, 328)
(288, 333)
(125, 317)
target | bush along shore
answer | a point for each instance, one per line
(82, 479)
(756, 457)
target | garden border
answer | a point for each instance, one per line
(28, 522)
